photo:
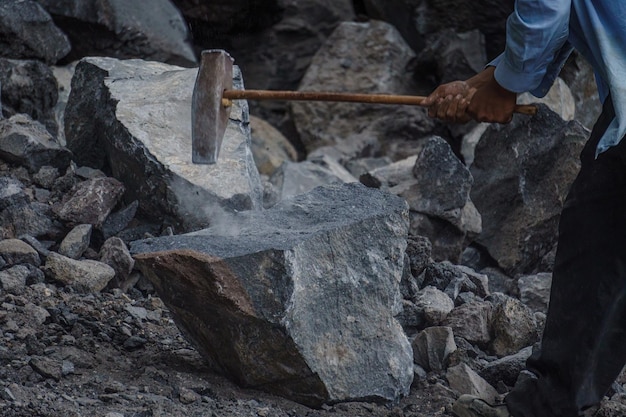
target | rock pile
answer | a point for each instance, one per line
(359, 260)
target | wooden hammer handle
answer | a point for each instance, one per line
(527, 109)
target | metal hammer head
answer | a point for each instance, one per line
(209, 117)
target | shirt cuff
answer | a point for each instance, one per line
(516, 81)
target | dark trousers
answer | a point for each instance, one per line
(583, 348)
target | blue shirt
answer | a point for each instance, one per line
(542, 33)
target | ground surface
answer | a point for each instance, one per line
(114, 354)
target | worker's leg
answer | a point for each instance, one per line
(582, 350)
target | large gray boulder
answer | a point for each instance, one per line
(299, 299)
(361, 58)
(133, 119)
(28, 32)
(522, 172)
(150, 29)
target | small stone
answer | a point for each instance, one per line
(472, 322)
(465, 380)
(46, 367)
(46, 176)
(139, 313)
(513, 327)
(13, 280)
(67, 368)
(68, 340)
(7, 395)
(38, 314)
(435, 305)
(134, 342)
(432, 347)
(15, 251)
(41, 249)
(188, 396)
(85, 276)
(90, 201)
(535, 291)
(114, 253)
(76, 241)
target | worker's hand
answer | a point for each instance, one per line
(480, 98)
(449, 102)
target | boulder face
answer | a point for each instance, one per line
(133, 119)
(360, 58)
(153, 30)
(28, 32)
(522, 173)
(312, 284)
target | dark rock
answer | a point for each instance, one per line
(506, 369)
(115, 254)
(27, 32)
(134, 343)
(46, 176)
(520, 184)
(116, 222)
(534, 291)
(13, 279)
(432, 346)
(500, 282)
(15, 251)
(418, 250)
(24, 141)
(472, 322)
(360, 58)
(76, 241)
(441, 192)
(401, 14)
(123, 30)
(451, 56)
(35, 219)
(11, 193)
(513, 327)
(29, 87)
(91, 201)
(454, 279)
(578, 75)
(411, 318)
(230, 16)
(489, 17)
(46, 367)
(41, 249)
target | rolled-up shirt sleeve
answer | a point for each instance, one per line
(536, 46)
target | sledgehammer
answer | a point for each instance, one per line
(213, 95)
